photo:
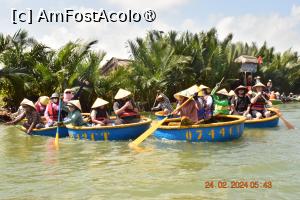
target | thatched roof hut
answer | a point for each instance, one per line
(113, 64)
(246, 59)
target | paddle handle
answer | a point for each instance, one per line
(178, 108)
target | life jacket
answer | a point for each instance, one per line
(129, 113)
(259, 104)
(101, 115)
(40, 108)
(240, 103)
(53, 114)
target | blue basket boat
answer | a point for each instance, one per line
(160, 115)
(231, 127)
(50, 132)
(117, 132)
(269, 122)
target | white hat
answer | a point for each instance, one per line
(223, 92)
(75, 103)
(259, 85)
(99, 102)
(44, 100)
(231, 93)
(183, 93)
(27, 102)
(122, 94)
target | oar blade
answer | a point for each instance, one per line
(285, 122)
(147, 133)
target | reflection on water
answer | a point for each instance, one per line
(32, 167)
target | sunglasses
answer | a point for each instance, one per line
(68, 92)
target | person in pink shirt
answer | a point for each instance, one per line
(189, 110)
(40, 105)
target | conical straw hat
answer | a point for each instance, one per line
(99, 102)
(259, 85)
(187, 92)
(27, 102)
(231, 93)
(202, 87)
(192, 90)
(44, 100)
(122, 94)
(183, 93)
(241, 87)
(223, 92)
(75, 103)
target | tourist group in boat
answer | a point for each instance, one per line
(250, 102)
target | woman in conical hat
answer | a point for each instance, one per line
(259, 102)
(206, 110)
(125, 108)
(241, 104)
(32, 116)
(40, 105)
(190, 110)
(74, 115)
(222, 105)
(99, 114)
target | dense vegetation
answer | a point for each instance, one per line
(168, 62)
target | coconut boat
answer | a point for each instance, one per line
(50, 132)
(269, 122)
(114, 132)
(225, 128)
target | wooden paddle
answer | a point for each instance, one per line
(152, 129)
(58, 122)
(286, 123)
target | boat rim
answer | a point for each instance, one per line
(262, 120)
(145, 120)
(238, 120)
(40, 129)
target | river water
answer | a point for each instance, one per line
(32, 168)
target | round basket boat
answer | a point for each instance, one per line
(160, 115)
(276, 101)
(263, 123)
(117, 132)
(50, 132)
(228, 127)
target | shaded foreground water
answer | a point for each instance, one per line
(31, 167)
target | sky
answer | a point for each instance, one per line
(274, 21)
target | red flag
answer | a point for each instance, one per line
(259, 60)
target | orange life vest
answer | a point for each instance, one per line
(53, 114)
(129, 113)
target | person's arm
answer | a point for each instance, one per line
(177, 111)
(209, 101)
(93, 117)
(117, 110)
(233, 102)
(17, 119)
(254, 99)
(46, 113)
(157, 108)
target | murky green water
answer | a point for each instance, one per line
(31, 167)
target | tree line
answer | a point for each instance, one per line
(168, 62)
